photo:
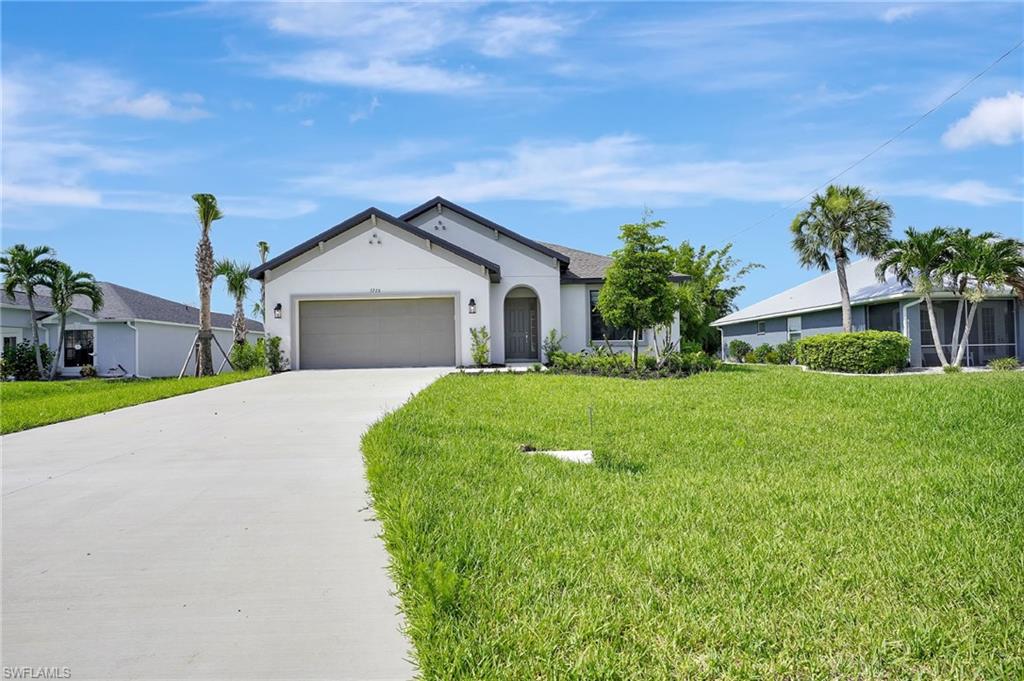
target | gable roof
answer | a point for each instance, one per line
(465, 212)
(360, 218)
(822, 293)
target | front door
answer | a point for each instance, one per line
(521, 329)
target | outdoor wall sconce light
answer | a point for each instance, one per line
(277, 311)
(472, 306)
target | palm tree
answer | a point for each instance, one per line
(206, 213)
(983, 262)
(260, 307)
(960, 243)
(236, 276)
(843, 221)
(24, 268)
(917, 261)
(64, 285)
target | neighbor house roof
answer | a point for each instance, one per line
(122, 303)
(589, 268)
(822, 293)
(546, 249)
(360, 218)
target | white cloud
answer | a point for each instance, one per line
(307, 122)
(509, 35)
(49, 195)
(336, 67)
(41, 86)
(973, 192)
(365, 112)
(994, 120)
(607, 171)
(900, 12)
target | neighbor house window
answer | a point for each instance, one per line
(794, 328)
(10, 342)
(761, 328)
(78, 347)
(599, 330)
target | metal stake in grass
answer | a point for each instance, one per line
(590, 411)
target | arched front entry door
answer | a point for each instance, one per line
(522, 342)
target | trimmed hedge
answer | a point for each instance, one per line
(863, 352)
(602, 363)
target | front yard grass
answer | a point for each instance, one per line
(748, 523)
(30, 404)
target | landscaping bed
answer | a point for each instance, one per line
(28, 404)
(743, 523)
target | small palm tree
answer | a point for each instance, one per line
(236, 276)
(25, 268)
(206, 213)
(260, 307)
(838, 223)
(983, 262)
(64, 285)
(917, 261)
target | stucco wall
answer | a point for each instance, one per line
(14, 320)
(163, 348)
(521, 266)
(776, 331)
(400, 265)
(115, 344)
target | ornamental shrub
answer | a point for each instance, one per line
(274, 358)
(603, 363)
(786, 352)
(481, 347)
(863, 352)
(760, 354)
(20, 361)
(1004, 364)
(245, 357)
(739, 350)
(951, 369)
(87, 371)
(552, 344)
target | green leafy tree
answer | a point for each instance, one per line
(236, 277)
(64, 284)
(839, 223)
(25, 268)
(710, 292)
(637, 293)
(918, 260)
(977, 265)
(207, 213)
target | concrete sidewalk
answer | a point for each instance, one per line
(222, 534)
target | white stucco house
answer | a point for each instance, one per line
(133, 334)
(378, 290)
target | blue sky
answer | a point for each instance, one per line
(561, 121)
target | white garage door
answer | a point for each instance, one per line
(413, 332)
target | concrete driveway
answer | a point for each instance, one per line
(222, 534)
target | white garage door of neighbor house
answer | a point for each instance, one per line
(410, 332)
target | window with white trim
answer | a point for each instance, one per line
(794, 328)
(761, 328)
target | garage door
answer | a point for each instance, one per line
(413, 332)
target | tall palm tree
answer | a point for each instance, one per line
(24, 268)
(206, 213)
(917, 261)
(236, 276)
(260, 307)
(64, 285)
(838, 223)
(960, 243)
(984, 263)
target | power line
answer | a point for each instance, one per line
(881, 146)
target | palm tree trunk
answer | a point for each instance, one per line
(936, 338)
(636, 347)
(238, 322)
(35, 336)
(844, 293)
(204, 272)
(967, 334)
(58, 356)
(956, 326)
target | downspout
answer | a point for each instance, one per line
(131, 325)
(721, 343)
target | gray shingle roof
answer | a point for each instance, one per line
(123, 303)
(583, 267)
(821, 293)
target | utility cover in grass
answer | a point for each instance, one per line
(573, 455)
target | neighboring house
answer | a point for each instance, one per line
(814, 308)
(135, 333)
(378, 290)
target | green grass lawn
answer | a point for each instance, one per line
(749, 523)
(37, 403)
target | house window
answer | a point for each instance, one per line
(761, 328)
(599, 330)
(794, 328)
(10, 342)
(78, 347)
